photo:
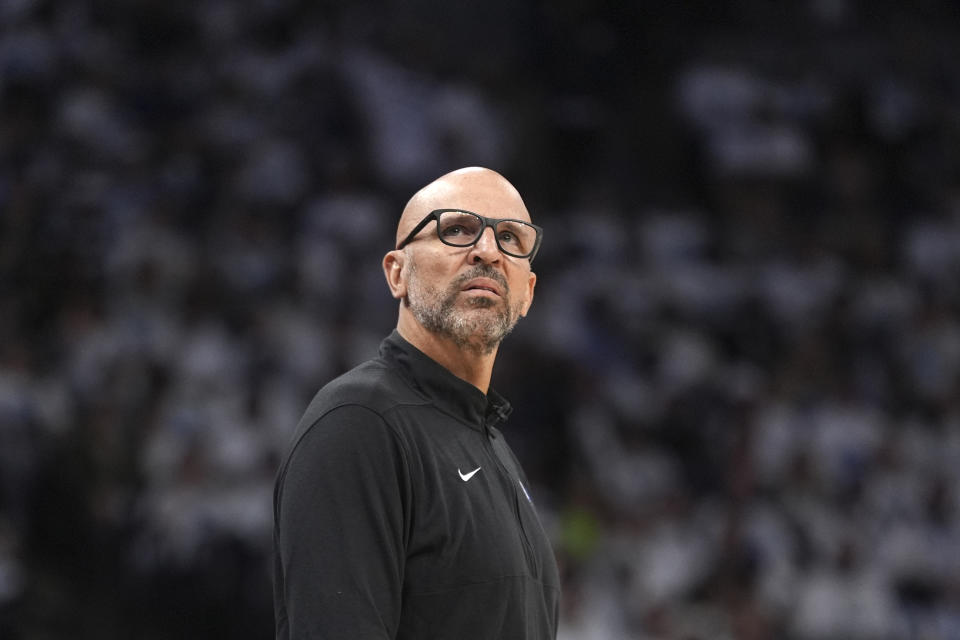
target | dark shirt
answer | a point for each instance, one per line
(401, 512)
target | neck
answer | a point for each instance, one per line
(463, 362)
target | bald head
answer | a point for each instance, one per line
(459, 296)
(475, 189)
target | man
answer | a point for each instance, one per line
(400, 512)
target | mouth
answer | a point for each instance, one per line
(484, 286)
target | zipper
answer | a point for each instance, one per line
(516, 487)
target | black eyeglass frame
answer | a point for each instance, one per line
(487, 222)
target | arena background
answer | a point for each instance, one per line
(737, 394)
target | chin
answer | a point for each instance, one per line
(483, 303)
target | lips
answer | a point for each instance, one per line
(483, 284)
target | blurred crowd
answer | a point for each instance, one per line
(737, 394)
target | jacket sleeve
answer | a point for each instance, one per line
(340, 527)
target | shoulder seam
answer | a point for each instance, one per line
(342, 405)
(282, 472)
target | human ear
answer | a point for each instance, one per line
(393, 271)
(531, 284)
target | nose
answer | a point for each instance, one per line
(485, 249)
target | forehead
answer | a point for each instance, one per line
(491, 198)
(484, 192)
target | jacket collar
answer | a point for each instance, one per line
(451, 394)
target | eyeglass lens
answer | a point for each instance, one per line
(462, 228)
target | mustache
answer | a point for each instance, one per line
(482, 271)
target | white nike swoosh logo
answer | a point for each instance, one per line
(467, 476)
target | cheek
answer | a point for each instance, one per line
(425, 277)
(520, 289)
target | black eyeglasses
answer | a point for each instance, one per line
(459, 228)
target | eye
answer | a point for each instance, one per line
(459, 228)
(513, 236)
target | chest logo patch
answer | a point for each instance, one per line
(466, 476)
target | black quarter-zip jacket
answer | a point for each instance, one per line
(401, 513)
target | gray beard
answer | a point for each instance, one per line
(479, 329)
